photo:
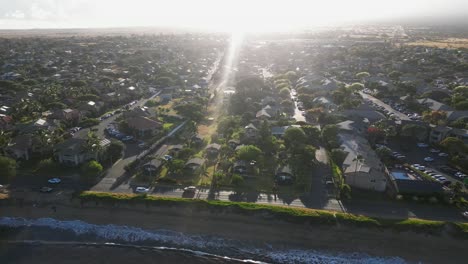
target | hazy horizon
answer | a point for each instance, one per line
(227, 15)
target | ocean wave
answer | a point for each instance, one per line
(196, 244)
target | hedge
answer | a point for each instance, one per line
(289, 214)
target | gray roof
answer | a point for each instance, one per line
(213, 146)
(198, 161)
(71, 146)
(284, 170)
(434, 105)
(279, 130)
(251, 126)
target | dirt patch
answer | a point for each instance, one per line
(449, 43)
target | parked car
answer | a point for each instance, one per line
(465, 214)
(142, 190)
(422, 145)
(428, 159)
(434, 150)
(443, 154)
(54, 181)
(127, 138)
(46, 189)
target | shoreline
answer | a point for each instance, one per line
(412, 247)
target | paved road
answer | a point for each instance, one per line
(297, 113)
(384, 105)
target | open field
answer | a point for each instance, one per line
(450, 43)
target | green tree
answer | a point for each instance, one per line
(330, 136)
(394, 75)
(355, 87)
(294, 137)
(238, 182)
(174, 166)
(362, 75)
(249, 152)
(338, 156)
(312, 133)
(90, 170)
(285, 93)
(47, 166)
(414, 131)
(115, 150)
(164, 81)
(191, 111)
(454, 146)
(7, 168)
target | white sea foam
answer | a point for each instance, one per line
(134, 235)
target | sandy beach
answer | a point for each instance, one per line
(260, 231)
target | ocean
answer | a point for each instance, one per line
(47, 240)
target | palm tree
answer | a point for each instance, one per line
(358, 159)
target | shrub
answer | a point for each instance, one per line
(288, 214)
(47, 166)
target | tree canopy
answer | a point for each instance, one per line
(249, 152)
(7, 168)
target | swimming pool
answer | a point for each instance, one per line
(399, 175)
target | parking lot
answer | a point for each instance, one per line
(419, 154)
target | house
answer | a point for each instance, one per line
(364, 111)
(152, 167)
(461, 134)
(143, 125)
(165, 97)
(73, 152)
(366, 172)
(240, 167)
(251, 131)
(268, 100)
(197, 139)
(434, 105)
(438, 133)
(67, 115)
(6, 122)
(194, 164)
(454, 115)
(324, 102)
(213, 149)
(20, 147)
(350, 126)
(233, 143)
(278, 131)
(263, 115)
(174, 149)
(421, 188)
(284, 175)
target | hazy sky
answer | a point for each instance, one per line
(227, 15)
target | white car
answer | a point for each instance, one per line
(465, 214)
(190, 189)
(443, 154)
(142, 190)
(428, 159)
(54, 181)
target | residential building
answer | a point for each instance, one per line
(143, 125)
(73, 151)
(362, 167)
